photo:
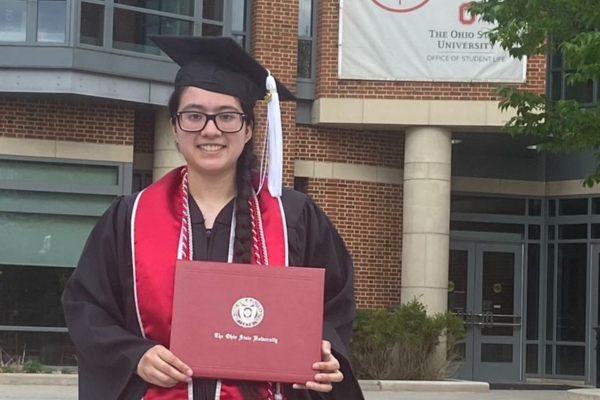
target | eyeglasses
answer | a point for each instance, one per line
(195, 121)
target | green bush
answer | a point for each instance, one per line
(32, 367)
(405, 343)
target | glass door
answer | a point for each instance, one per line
(486, 291)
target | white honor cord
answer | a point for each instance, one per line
(218, 390)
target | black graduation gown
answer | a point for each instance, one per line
(99, 306)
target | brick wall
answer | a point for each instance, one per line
(143, 140)
(368, 215)
(66, 118)
(328, 85)
(369, 218)
(374, 148)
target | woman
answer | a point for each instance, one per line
(118, 301)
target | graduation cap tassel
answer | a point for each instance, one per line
(275, 138)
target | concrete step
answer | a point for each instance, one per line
(583, 394)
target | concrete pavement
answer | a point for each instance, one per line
(43, 392)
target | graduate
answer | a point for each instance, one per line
(118, 302)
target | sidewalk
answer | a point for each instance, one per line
(40, 392)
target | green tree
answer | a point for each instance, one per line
(569, 29)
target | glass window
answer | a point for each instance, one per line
(572, 231)
(557, 60)
(212, 30)
(52, 21)
(182, 7)
(535, 232)
(571, 290)
(141, 180)
(573, 207)
(13, 20)
(238, 21)
(304, 58)
(531, 360)
(582, 92)
(487, 205)
(212, 9)
(596, 205)
(550, 295)
(533, 291)
(551, 232)
(595, 231)
(517, 229)
(33, 171)
(535, 207)
(241, 39)
(497, 353)
(305, 19)
(43, 239)
(131, 30)
(92, 24)
(30, 296)
(552, 208)
(556, 85)
(570, 360)
(48, 348)
(301, 184)
(549, 360)
(53, 203)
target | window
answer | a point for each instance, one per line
(306, 40)
(32, 22)
(239, 22)
(131, 30)
(140, 180)
(13, 17)
(47, 210)
(52, 21)
(92, 24)
(586, 93)
(128, 23)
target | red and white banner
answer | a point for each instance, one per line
(420, 40)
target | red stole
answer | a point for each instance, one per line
(156, 231)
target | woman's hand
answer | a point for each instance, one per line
(329, 372)
(158, 366)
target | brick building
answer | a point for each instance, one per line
(433, 199)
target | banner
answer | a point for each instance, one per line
(420, 40)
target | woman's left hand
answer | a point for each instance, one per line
(329, 372)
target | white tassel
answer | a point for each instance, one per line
(275, 139)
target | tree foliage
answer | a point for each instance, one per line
(571, 30)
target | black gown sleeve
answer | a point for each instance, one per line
(318, 244)
(97, 310)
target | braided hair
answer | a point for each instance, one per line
(243, 183)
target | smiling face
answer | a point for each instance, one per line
(210, 151)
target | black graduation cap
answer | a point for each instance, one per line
(218, 64)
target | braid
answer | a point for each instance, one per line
(243, 233)
(243, 228)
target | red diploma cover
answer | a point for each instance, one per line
(248, 322)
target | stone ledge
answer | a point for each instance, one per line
(583, 394)
(38, 379)
(425, 386)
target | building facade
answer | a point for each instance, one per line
(433, 199)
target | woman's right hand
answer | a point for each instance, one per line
(158, 366)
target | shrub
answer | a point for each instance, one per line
(32, 367)
(405, 343)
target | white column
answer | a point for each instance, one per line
(426, 224)
(166, 156)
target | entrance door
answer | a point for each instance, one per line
(485, 289)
